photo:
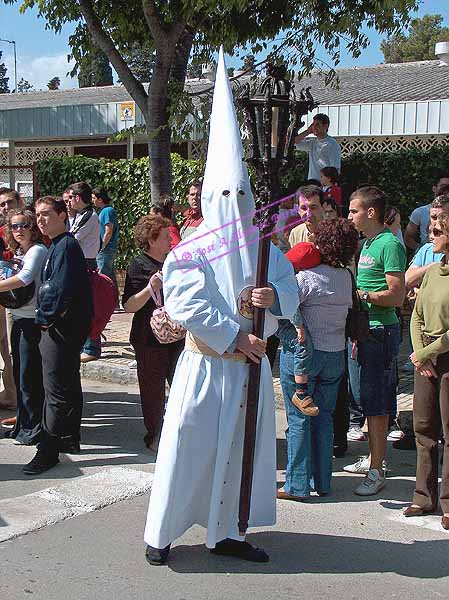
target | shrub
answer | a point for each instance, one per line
(128, 184)
(405, 176)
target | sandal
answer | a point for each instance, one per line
(306, 405)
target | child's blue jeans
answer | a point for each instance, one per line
(302, 360)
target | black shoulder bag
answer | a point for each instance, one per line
(357, 321)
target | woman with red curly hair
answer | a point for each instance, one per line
(325, 295)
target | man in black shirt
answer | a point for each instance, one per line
(64, 312)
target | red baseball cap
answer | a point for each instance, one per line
(304, 256)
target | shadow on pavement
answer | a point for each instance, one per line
(112, 433)
(322, 554)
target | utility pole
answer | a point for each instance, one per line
(15, 61)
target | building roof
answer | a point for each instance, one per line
(402, 82)
(381, 100)
(76, 96)
(79, 96)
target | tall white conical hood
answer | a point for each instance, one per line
(227, 201)
(225, 170)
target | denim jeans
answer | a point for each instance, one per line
(303, 350)
(377, 357)
(105, 262)
(356, 417)
(92, 347)
(310, 439)
(27, 369)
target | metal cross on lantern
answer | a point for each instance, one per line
(273, 116)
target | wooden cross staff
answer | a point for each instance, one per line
(273, 118)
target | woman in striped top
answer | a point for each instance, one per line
(325, 295)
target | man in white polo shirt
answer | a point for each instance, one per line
(323, 150)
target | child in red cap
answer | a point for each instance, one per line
(303, 256)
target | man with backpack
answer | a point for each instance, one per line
(86, 229)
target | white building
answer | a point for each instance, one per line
(378, 108)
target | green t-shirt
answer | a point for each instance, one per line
(381, 254)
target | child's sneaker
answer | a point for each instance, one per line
(306, 405)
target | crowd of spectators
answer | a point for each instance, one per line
(335, 389)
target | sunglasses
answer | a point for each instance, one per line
(7, 203)
(437, 232)
(17, 226)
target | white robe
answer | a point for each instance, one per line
(198, 469)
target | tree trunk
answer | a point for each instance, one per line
(169, 65)
(159, 147)
(157, 125)
(183, 48)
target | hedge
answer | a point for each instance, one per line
(406, 176)
(128, 184)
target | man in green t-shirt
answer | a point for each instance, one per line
(381, 287)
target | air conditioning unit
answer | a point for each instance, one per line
(442, 52)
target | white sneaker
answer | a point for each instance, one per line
(372, 484)
(355, 434)
(395, 434)
(361, 466)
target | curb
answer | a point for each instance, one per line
(101, 370)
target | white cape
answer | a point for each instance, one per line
(197, 478)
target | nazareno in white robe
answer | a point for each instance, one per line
(198, 470)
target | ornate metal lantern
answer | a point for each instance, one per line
(273, 116)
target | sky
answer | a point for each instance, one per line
(42, 54)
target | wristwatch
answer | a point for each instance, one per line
(365, 296)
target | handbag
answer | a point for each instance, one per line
(357, 321)
(20, 296)
(165, 330)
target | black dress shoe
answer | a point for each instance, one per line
(157, 556)
(406, 443)
(340, 450)
(41, 462)
(69, 446)
(243, 550)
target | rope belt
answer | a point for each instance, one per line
(195, 345)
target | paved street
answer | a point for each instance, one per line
(86, 521)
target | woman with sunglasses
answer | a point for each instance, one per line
(430, 338)
(24, 238)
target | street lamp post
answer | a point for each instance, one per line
(273, 117)
(15, 61)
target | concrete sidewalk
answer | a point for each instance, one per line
(84, 522)
(115, 465)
